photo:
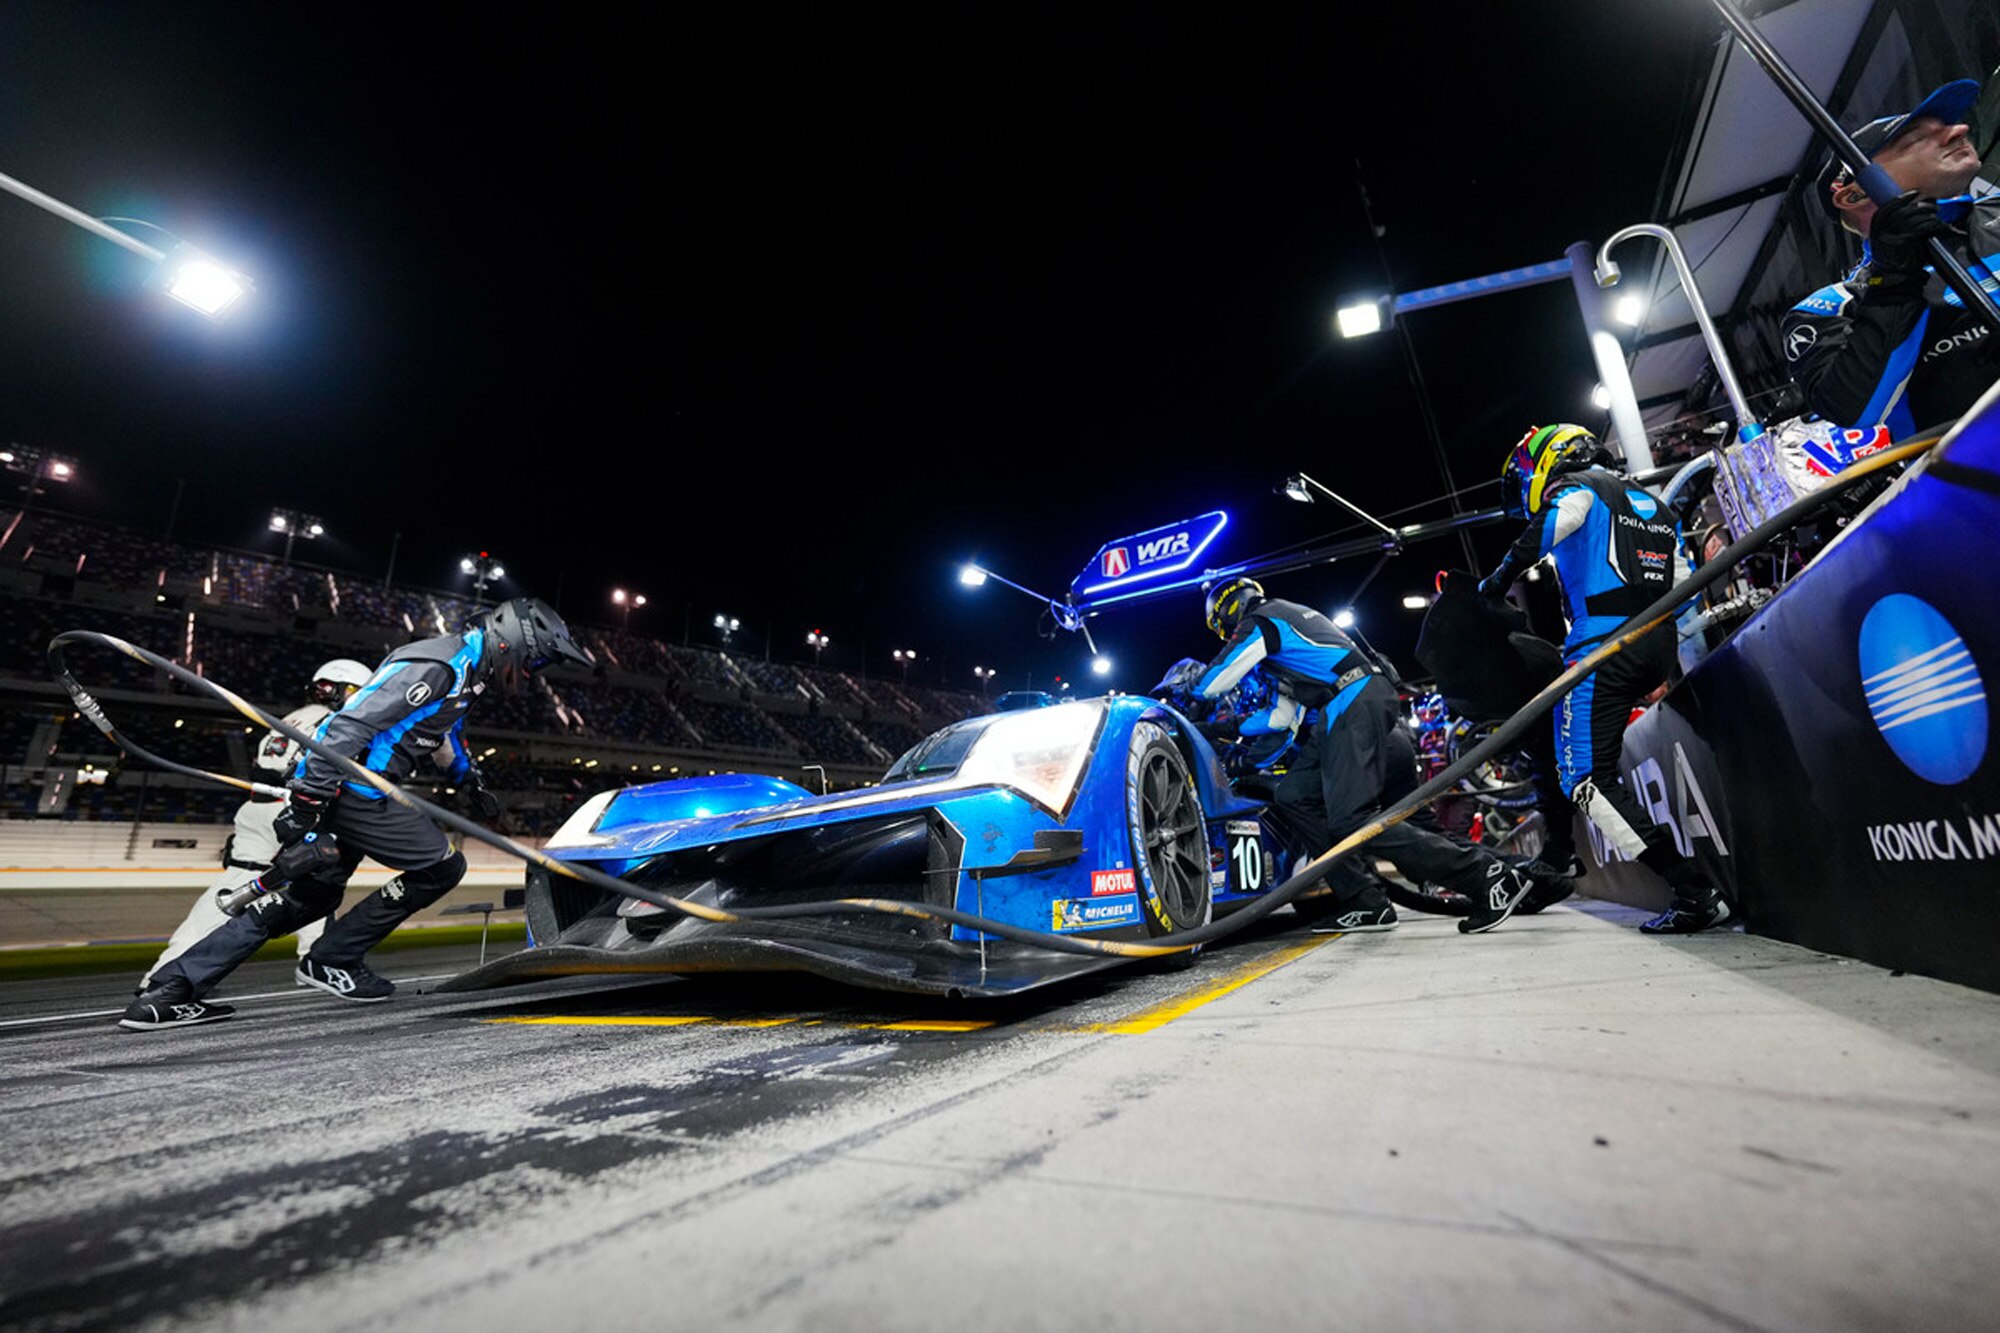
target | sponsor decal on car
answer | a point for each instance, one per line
(1092, 913)
(1117, 561)
(1105, 882)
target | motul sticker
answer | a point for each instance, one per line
(1104, 882)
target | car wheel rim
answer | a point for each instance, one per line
(1175, 850)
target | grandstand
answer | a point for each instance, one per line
(650, 710)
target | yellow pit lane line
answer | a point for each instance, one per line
(1159, 1015)
(1146, 1020)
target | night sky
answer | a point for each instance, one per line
(785, 312)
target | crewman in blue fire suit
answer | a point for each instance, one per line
(1891, 343)
(1355, 757)
(412, 709)
(1616, 549)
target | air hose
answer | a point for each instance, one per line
(1443, 783)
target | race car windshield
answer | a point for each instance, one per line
(940, 752)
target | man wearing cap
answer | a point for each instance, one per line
(1891, 344)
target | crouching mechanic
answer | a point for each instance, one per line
(1616, 549)
(253, 842)
(1355, 757)
(414, 706)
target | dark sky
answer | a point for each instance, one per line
(786, 311)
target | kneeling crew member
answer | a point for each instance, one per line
(1354, 758)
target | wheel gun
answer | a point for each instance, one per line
(312, 852)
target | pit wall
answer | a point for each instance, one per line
(1833, 763)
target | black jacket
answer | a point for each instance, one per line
(409, 712)
(1900, 355)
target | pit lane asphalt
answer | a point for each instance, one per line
(1560, 1125)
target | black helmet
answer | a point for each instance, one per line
(525, 635)
(1229, 602)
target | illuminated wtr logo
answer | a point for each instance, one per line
(1923, 689)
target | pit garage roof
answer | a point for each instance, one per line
(1738, 195)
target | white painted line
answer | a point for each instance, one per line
(295, 993)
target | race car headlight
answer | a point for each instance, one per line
(576, 830)
(1039, 752)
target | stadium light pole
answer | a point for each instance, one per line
(295, 525)
(484, 570)
(187, 273)
(817, 642)
(726, 627)
(627, 602)
(36, 466)
(985, 676)
(904, 656)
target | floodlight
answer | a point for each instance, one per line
(1629, 310)
(1344, 618)
(1359, 320)
(200, 282)
(972, 576)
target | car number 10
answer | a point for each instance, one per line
(1247, 851)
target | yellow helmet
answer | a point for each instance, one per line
(1543, 454)
(1231, 600)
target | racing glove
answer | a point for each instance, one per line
(1896, 240)
(1494, 586)
(301, 815)
(477, 801)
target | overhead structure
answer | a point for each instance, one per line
(1737, 193)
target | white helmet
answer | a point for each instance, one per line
(335, 680)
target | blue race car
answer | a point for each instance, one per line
(1109, 818)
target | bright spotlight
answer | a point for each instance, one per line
(1101, 665)
(972, 576)
(1415, 602)
(1358, 321)
(1343, 618)
(1629, 310)
(1600, 397)
(199, 282)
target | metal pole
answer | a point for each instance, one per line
(1879, 184)
(1416, 373)
(79, 217)
(1610, 357)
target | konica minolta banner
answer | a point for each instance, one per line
(1833, 763)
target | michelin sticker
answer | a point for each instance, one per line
(1093, 913)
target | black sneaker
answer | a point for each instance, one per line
(171, 1005)
(1504, 889)
(350, 981)
(1361, 918)
(1690, 913)
(1548, 885)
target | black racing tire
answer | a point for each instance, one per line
(1169, 834)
